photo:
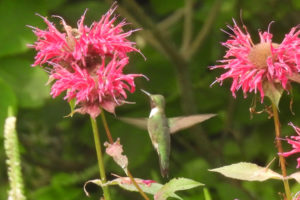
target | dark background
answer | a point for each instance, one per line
(58, 153)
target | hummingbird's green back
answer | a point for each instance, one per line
(159, 131)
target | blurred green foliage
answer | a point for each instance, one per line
(58, 153)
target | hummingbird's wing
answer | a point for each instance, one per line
(138, 122)
(183, 122)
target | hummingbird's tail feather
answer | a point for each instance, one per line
(164, 172)
(164, 167)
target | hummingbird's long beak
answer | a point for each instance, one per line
(147, 93)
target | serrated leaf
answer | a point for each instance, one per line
(148, 186)
(273, 91)
(247, 171)
(27, 82)
(176, 184)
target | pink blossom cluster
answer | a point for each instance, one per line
(87, 62)
(295, 142)
(251, 65)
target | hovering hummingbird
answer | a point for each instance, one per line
(160, 127)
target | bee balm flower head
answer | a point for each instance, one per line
(251, 65)
(87, 62)
(82, 44)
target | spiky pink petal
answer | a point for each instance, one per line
(87, 62)
(106, 88)
(281, 62)
(295, 142)
(101, 38)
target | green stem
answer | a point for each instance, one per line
(99, 157)
(137, 186)
(188, 25)
(279, 147)
(104, 121)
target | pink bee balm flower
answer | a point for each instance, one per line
(88, 63)
(251, 65)
(295, 142)
(104, 87)
(82, 44)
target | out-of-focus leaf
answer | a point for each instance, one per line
(231, 149)
(51, 192)
(8, 99)
(27, 82)
(161, 8)
(296, 4)
(73, 11)
(247, 171)
(228, 191)
(265, 192)
(14, 16)
(176, 184)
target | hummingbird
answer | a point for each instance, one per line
(160, 127)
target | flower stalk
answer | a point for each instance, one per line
(99, 157)
(105, 124)
(11, 146)
(128, 173)
(280, 151)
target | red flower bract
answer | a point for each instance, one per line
(295, 142)
(251, 65)
(87, 62)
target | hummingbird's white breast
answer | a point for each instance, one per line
(153, 112)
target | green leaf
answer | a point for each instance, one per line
(8, 99)
(73, 11)
(273, 91)
(14, 16)
(296, 4)
(176, 184)
(125, 183)
(72, 104)
(247, 171)
(295, 176)
(27, 82)
(160, 192)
